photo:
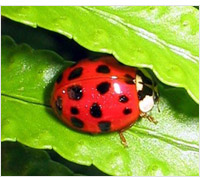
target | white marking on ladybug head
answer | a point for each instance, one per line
(143, 84)
(139, 85)
(146, 104)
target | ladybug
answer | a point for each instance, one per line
(103, 95)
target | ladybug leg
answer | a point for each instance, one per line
(150, 118)
(123, 139)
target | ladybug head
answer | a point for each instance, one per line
(147, 90)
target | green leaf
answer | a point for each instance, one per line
(19, 160)
(23, 82)
(168, 148)
(165, 39)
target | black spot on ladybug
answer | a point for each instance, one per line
(104, 126)
(123, 99)
(145, 91)
(145, 79)
(127, 111)
(103, 69)
(103, 87)
(74, 110)
(75, 92)
(129, 79)
(59, 104)
(59, 79)
(95, 110)
(75, 73)
(77, 122)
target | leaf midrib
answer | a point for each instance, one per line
(25, 101)
(144, 131)
(182, 144)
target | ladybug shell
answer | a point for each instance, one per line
(97, 96)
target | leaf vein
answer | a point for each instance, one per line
(185, 145)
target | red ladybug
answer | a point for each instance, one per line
(102, 95)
